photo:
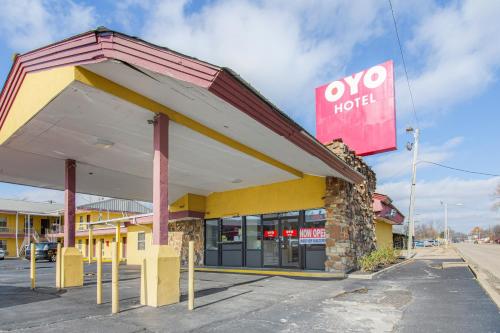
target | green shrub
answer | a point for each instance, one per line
(380, 257)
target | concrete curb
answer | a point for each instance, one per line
(372, 275)
(482, 278)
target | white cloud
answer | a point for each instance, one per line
(398, 163)
(28, 24)
(283, 48)
(475, 195)
(456, 49)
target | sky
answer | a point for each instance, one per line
(286, 48)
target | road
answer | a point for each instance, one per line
(419, 296)
(486, 256)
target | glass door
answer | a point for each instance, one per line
(271, 242)
(289, 239)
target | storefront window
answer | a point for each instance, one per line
(313, 231)
(316, 217)
(254, 233)
(211, 234)
(231, 230)
(289, 214)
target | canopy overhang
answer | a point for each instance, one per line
(92, 98)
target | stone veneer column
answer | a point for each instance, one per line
(350, 232)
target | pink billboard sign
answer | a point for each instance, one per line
(360, 110)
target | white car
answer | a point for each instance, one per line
(2, 254)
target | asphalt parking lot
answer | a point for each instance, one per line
(415, 297)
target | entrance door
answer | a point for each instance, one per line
(44, 224)
(271, 243)
(281, 240)
(289, 237)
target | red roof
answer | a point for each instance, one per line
(103, 44)
(385, 210)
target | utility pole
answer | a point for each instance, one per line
(446, 225)
(411, 214)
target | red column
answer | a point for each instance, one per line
(69, 203)
(160, 180)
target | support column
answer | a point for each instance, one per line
(69, 203)
(71, 258)
(162, 273)
(17, 233)
(160, 180)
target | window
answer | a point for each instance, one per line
(141, 241)
(254, 233)
(231, 230)
(80, 245)
(312, 234)
(212, 234)
(3, 224)
(3, 245)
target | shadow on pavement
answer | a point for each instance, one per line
(12, 296)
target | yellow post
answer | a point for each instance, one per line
(144, 288)
(191, 276)
(33, 266)
(115, 298)
(91, 248)
(99, 272)
(117, 237)
(58, 266)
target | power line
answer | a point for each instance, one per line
(462, 170)
(404, 62)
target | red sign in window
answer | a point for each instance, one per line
(270, 233)
(290, 233)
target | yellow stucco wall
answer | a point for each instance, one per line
(192, 202)
(11, 245)
(37, 90)
(135, 256)
(383, 232)
(304, 193)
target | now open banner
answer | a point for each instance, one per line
(312, 236)
(360, 110)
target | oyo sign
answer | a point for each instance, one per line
(359, 109)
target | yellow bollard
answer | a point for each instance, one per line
(117, 238)
(58, 266)
(144, 288)
(32, 266)
(115, 298)
(99, 272)
(191, 276)
(91, 247)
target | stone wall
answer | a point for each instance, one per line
(349, 226)
(191, 230)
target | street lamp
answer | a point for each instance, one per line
(446, 231)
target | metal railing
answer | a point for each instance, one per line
(11, 230)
